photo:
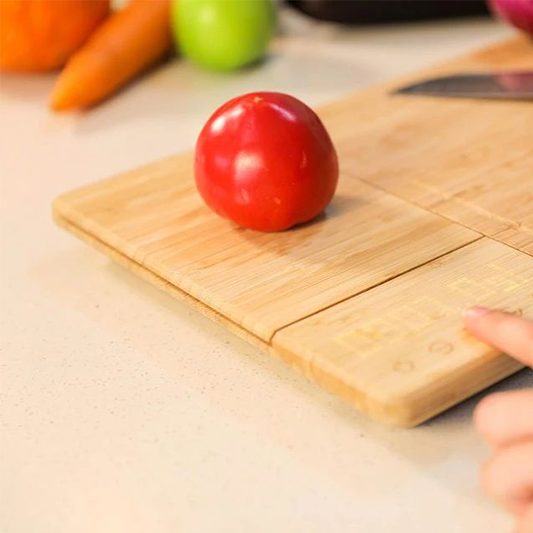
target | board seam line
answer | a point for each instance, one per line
(62, 219)
(429, 210)
(436, 258)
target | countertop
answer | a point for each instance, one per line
(125, 411)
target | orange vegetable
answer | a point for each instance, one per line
(126, 44)
(38, 35)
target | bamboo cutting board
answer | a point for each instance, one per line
(434, 212)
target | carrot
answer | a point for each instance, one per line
(127, 43)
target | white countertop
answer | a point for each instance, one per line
(125, 411)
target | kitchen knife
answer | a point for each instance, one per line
(499, 85)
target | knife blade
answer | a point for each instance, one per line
(499, 85)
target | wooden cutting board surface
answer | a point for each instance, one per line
(434, 212)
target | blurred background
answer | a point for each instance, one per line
(94, 48)
(180, 64)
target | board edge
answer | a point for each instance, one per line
(151, 277)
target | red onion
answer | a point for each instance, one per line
(519, 13)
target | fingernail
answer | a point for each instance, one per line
(473, 313)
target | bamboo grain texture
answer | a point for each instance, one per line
(470, 161)
(431, 215)
(399, 350)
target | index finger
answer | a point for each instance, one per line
(511, 334)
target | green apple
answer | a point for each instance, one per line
(223, 34)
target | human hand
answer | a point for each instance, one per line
(506, 419)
